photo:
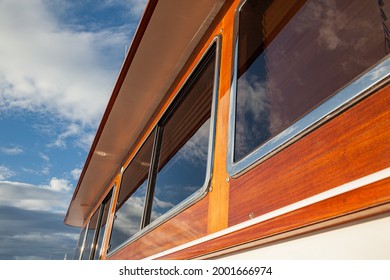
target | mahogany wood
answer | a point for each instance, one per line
(185, 227)
(353, 145)
(219, 196)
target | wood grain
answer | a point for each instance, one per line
(185, 227)
(353, 145)
(219, 196)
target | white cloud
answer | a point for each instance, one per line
(59, 185)
(45, 170)
(72, 130)
(38, 236)
(45, 67)
(196, 149)
(84, 140)
(5, 172)
(136, 7)
(11, 151)
(76, 134)
(54, 196)
(162, 204)
(127, 220)
(76, 173)
(44, 157)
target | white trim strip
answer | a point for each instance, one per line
(358, 183)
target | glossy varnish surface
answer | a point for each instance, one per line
(354, 144)
(185, 227)
(219, 196)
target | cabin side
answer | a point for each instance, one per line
(263, 133)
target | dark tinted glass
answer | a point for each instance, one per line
(294, 55)
(184, 148)
(180, 145)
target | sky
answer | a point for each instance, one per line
(59, 60)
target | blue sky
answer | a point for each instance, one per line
(59, 60)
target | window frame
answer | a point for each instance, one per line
(355, 90)
(106, 202)
(203, 190)
(82, 238)
(82, 257)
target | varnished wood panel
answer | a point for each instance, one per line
(219, 197)
(185, 227)
(354, 205)
(352, 145)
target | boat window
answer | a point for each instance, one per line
(90, 236)
(131, 197)
(80, 243)
(293, 56)
(182, 165)
(172, 168)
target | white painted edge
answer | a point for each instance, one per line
(358, 183)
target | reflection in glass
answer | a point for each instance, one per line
(294, 55)
(90, 235)
(128, 218)
(171, 165)
(131, 197)
(104, 212)
(184, 174)
(184, 147)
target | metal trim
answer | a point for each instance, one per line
(84, 241)
(96, 232)
(110, 196)
(81, 235)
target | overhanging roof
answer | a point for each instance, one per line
(166, 36)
